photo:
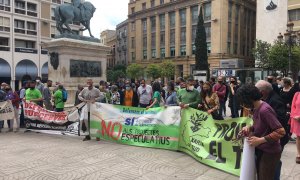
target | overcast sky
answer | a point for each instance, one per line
(108, 14)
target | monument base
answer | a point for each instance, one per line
(77, 37)
(73, 61)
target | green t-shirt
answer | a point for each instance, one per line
(58, 99)
(32, 94)
(158, 97)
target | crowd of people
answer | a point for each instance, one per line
(274, 105)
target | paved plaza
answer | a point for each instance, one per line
(43, 156)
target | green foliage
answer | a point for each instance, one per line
(154, 71)
(109, 75)
(114, 75)
(261, 54)
(167, 69)
(134, 71)
(201, 57)
(120, 67)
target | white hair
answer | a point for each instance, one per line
(264, 85)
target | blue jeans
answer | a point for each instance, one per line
(1, 124)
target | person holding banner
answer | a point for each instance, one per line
(32, 94)
(15, 99)
(156, 99)
(189, 96)
(90, 95)
(2, 99)
(264, 134)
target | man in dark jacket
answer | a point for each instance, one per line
(275, 101)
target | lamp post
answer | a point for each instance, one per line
(289, 37)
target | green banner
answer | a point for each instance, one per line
(212, 142)
(209, 141)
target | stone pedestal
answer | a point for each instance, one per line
(77, 61)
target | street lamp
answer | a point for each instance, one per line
(290, 37)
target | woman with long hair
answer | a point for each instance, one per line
(156, 98)
(264, 134)
(210, 101)
(171, 96)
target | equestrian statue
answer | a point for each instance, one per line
(65, 14)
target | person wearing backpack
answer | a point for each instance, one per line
(59, 99)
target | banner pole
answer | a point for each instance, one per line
(89, 118)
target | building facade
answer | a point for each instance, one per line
(122, 43)
(166, 29)
(109, 38)
(294, 13)
(24, 25)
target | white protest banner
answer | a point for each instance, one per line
(6, 111)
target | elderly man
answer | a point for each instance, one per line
(275, 101)
(90, 94)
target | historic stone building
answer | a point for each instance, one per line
(24, 25)
(122, 43)
(294, 13)
(166, 29)
(109, 38)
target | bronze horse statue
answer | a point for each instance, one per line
(65, 14)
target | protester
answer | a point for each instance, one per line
(220, 90)
(130, 96)
(77, 100)
(15, 99)
(89, 95)
(295, 122)
(271, 79)
(210, 101)
(233, 102)
(189, 96)
(40, 86)
(47, 96)
(180, 84)
(144, 94)
(25, 86)
(279, 81)
(171, 96)
(156, 99)
(212, 81)
(264, 134)
(115, 98)
(2, 99)
(199, 88)
(32, 94)
(58, 99)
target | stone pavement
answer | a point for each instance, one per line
(41, 156)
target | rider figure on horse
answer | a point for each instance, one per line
(78, 4)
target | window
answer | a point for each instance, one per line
(208, 31)
(24, 44)
(182, 14)
(31, 7)
(145, 42)
(153, 23)
(195, 14)
(294, 15)
(4, 44)
(162, 21)
(144, 54)
(162, 52)
(153, 40)
(53, 14)
(56, 1)
(132, 42)
(183, 35)
(19, 26)
(152, 3)
(193, 49)
(132, 10)
(19, 4)
(208, 47)
(182, 50)
(5, 5)
(144, 22)
(153, 53)
(132, 56)
(194, 33)
(207, 11)
(230, 11)
(144, 6)
(31, 28)
(172, 37)
(162, 39)
(162, 2)
(172, 51)
(4, 24)
(132, 26)
(172, 19)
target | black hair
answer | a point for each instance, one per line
(156, 86)
(190, 80)
(247, 94)
(171, 85)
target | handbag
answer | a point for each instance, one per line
(214, 114)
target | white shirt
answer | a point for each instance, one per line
(145, 94)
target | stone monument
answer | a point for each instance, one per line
(73, 58)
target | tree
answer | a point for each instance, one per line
(154, 71)
(117, 75)
(134, 71)
(120, 67)
(109, 75)
(201, 45)
(261, 54)
(167, 69)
